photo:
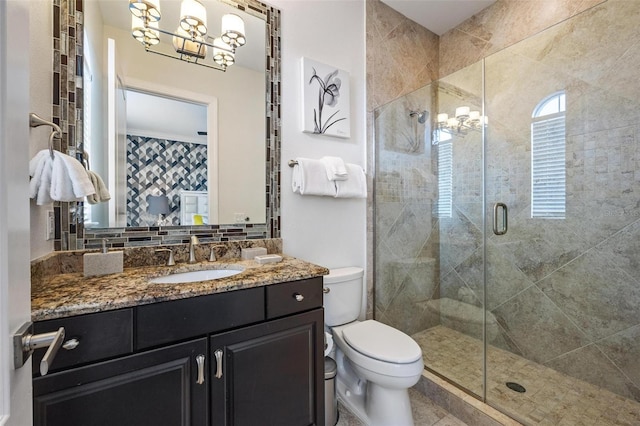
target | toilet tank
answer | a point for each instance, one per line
(343, 301)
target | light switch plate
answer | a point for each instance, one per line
(50, 228)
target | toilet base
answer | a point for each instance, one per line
(377, 406)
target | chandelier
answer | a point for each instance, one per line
(464, 120)
(190, 38)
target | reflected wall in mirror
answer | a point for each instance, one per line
(227, 174)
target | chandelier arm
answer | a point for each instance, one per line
(196, 61)
(191, 39)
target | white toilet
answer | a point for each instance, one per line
(377, 364)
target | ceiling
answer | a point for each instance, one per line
(438, 16)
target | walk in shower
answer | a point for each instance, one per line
(507, 234)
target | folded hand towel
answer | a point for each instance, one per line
(355, 186)
(40, 172)
(310, 178)
(102, 193)
(336, 169)
(69, 180)
(61, 178)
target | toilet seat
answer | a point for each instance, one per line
(379, 341)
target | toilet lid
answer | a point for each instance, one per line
(379, 341)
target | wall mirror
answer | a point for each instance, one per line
(203, 142)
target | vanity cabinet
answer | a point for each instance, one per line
(266, 374)
(244, 357)
(159, 387)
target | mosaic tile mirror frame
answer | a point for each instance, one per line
(67, 100)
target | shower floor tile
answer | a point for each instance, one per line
(551, 397)
(425, 413)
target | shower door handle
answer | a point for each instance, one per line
(505, 220)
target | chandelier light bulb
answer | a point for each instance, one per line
(222, 53)
(233, 30)
(146, 35)
(462, 112)
(193, 18)
(145, 9)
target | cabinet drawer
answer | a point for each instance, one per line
(295, 296)
(177, 320)
(100, 336)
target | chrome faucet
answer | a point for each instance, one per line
(192, 249)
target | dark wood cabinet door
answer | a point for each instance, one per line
(272, 373)
(157, 387)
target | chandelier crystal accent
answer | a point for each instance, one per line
(190, 39)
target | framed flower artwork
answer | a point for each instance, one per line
(325, 100)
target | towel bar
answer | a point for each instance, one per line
(36, 121)
(292, 163)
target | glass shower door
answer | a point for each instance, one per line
(563, 283)
(454, 347)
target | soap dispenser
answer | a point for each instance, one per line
(103, 263)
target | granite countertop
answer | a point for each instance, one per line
(69, 294)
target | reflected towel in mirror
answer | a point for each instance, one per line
(102, 193)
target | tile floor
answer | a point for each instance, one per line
(551, 398)
(425, 413)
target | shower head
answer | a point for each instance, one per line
(422, 115)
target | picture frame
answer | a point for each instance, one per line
(325, 100)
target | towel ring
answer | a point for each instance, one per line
(36, 121)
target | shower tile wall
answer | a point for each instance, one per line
(406, 238)
(500, 25)
(402, 57)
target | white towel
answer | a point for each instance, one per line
(102, 193)
(69, 180)
(355, 186)
(336, 169)
(40, 172)
(61, 178)
(309, 177)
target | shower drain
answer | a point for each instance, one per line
(516, 387)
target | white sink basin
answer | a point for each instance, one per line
(190, 277)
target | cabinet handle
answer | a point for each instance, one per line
(71, 344)
(200, 362)
(218, 355)
(326, 290)
(298, 297)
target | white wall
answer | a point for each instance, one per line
(15, 288)
(326, 231)
(40, 98)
